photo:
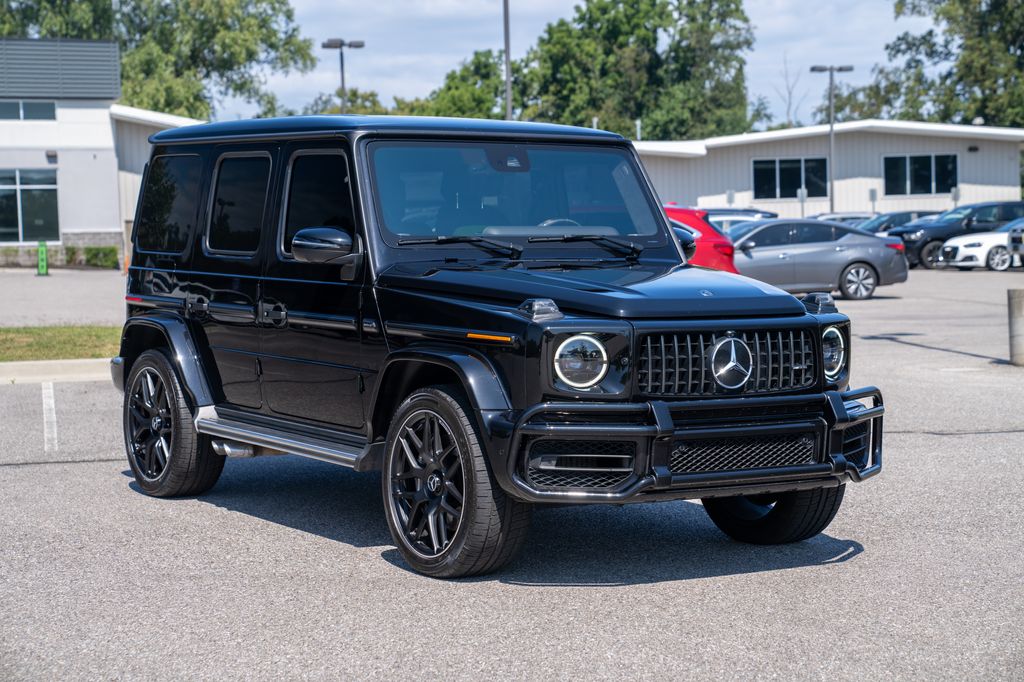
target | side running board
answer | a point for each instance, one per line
(208, 422)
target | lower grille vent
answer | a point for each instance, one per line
(580, 463)
(857, 444)
(738, 453)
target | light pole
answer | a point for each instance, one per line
(831, 126)
(340, 45)
(508, 69)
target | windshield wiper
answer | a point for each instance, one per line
(629, 249)
(508, 248)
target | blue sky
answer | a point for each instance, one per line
(411, 44)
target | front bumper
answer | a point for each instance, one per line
(837, 436)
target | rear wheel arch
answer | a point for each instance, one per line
(172, 336)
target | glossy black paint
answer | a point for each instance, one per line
(328, 348)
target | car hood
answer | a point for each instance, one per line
(647, 290)
(983, 237)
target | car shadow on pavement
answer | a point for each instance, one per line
(897, 338)
(591, 545)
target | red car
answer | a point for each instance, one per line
(714, 249)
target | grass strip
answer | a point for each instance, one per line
(58, 343)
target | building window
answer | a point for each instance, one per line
(27, 110)
(920, 174)
(28, 205)
(783, 178)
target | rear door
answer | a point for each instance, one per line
(225, 283)
(816, 256)
(986, 219)
(311, 338)
(1010, 212)
(768, 258)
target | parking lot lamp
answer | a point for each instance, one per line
(340, 45)
(831, 125)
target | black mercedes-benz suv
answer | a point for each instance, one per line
(493, 315)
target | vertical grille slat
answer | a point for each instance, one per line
(678, 363)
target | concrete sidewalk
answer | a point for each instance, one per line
(39, 371)
(65, 297)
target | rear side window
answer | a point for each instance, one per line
(168, 210)
(773, 235)
(318, 195)
(240, 196)
(1012, 212)
(807, 233)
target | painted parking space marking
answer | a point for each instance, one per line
(50, 443)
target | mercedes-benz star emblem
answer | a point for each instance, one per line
(731, 362)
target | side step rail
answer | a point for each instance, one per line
(209, 423)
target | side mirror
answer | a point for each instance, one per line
(321, 245)
(687, 241)
(746, 245)
(970, 222)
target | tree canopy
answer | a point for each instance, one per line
(178, 56)
(970, 65)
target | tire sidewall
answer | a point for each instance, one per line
(923, 255)
(431, 399)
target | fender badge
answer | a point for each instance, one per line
(705, 292)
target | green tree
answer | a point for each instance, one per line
(179, 56)
(475, 89)
(357, 102)
(970, 65)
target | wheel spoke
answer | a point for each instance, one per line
(409, 455)
(453, 490)
(435, 537)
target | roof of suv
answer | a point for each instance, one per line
(299, 126)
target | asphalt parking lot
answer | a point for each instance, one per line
(285, 569)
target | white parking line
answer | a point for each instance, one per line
(49, 418)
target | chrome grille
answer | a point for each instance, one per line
(678, 364)
(745, 452)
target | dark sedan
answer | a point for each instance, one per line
(813, 255)
(924, 238)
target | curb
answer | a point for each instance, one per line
(39, 371)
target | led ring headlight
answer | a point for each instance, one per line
(833, 352)
(581, 361)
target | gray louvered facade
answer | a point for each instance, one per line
(59, 69)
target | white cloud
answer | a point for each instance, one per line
(411, 44)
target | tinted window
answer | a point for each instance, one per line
(8, 215)
(764, 179)
(39, 215)
(945, 173)
(895, 175)
(807, 233)
(9, 111)
(39, 177)
(920, 175)
(789, 178)
(509, 190)
(986, 214)
(236, 214)
(38, 111)
(816, 177)
(773, 235)
(1012, 212)
(169, 199)
(318, 195)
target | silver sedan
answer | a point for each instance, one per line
(813, 255)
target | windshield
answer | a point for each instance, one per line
(874, 224)
(510, 192)
(1012, 225)
(741, 230)
(954, 214)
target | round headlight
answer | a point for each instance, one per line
(833, 352)
(581, 361)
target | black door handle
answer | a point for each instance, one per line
(274, 314)
(196, 305)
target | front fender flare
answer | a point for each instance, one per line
(184, 353)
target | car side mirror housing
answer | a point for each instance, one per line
(970, 221)
(746, 245)
(687, 241)
(328, 246)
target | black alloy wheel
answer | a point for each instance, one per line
(428, 487)
(150, 424)
(931, 256)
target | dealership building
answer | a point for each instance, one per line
(879, 165)
(71, 159)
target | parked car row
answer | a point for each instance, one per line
(924, 238)
(984, 249)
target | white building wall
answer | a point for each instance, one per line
(131, 142)
(991, 173)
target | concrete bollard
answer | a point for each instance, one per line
(1015, 305)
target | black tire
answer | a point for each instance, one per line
(929, 256)
(489, 527)
(999, 259)
(167, 456)
(775, 519)
(858, 281)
